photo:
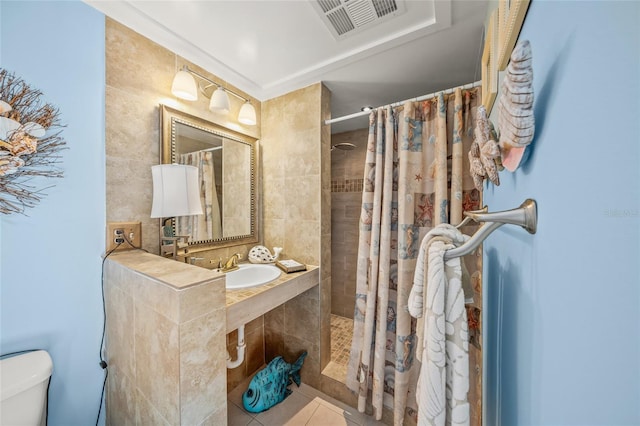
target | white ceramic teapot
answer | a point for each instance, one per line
(261, 254)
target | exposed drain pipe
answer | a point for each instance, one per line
(240, 348)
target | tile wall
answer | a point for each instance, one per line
(139, 74)
(347, 170)
(295, 168)
(166, 323)
(296, 209)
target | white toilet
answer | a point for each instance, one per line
(24, 380)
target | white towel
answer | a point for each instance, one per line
(443, 232)
(443, 345)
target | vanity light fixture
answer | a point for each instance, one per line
(219, 101)
(247, 114)
(219, 97)
(184, 86)
(366, 108)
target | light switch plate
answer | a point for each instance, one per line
(132, 237)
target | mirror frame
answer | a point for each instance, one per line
(168, 118)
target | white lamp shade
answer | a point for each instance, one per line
(219, 101)
(184, 86)
(176, 191)
(247, 114)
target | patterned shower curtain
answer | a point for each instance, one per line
(206, 226)
(416, 176)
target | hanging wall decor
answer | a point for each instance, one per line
(484, 155)
(30, 143)
(516, 123)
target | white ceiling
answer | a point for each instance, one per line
(268, 48)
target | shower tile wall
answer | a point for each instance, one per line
(295, 193)
(347, 170)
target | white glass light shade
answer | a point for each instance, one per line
(219, 101)
(184, 86)
(175, 191)
(247, 114)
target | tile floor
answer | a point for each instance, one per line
(305, 406)
(341, 336)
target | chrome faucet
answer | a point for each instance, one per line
(232, 263)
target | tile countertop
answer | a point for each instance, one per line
(244, 305)
(177, 275)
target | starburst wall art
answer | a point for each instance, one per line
(30, 144)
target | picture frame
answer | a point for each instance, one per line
(511, 15)
(489, 63)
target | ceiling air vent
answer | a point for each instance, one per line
(347, 17)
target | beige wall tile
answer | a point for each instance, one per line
(157, 356)
(345, 208)
(237, 375)
(147, 414)
(275, 232)
(302, 156)
(254, 351)
(202, 299)
(274, 319)
(217, 418)
(302, 199)
(134, 62)
(162, 298)
(273, 343)
(339, 391)
(293, 347)
(120, 333)
(293, 130)
(274, 333)
(273, 196)
(120, 400)
(303, 242)
(302, 315)
(255, 324)
(325, 322)
(202, 388)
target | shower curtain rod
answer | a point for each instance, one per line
(395, 104)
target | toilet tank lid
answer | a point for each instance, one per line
(21, 372)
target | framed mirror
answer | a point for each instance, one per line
(226, 162)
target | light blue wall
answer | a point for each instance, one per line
(563, 305)
(51, 259)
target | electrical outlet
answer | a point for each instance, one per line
(123, 231)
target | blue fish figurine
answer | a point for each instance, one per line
(270, 386)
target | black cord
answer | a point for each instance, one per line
(104, 384)
(128, 241)
(103, 363)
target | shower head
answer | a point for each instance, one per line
(344, 146)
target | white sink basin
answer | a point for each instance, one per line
(251, 275)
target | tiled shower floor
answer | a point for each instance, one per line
(341, 336)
